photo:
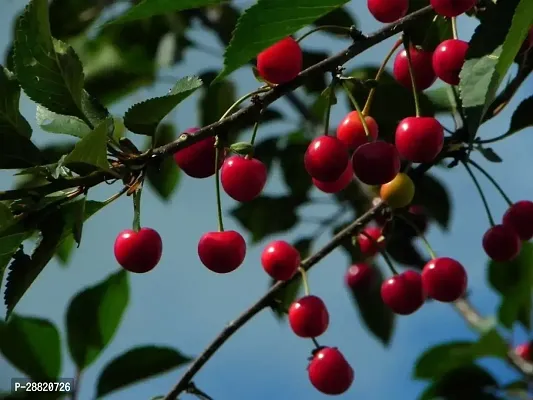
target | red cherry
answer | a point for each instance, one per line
(452, 8)
(329, 372)
(403, 293)
(388, 11)
(352, 133)
(308, 317)
(243, 178)
(340, 184)
(281, 62)
(326, 158)
(519, 217)
(419, 139)
(376, 163)
(448, 59)
(501, 243)
(222, 252)
(280, 260)
(138, 251)
(422, 68)
(359, 277)
(524, 350)
(444, 279)
(198, 160)
(367, 246)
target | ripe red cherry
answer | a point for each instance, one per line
(524, 350)
(370, 247)
(198, 160)
(448, 59)
(403, 293)
(138, 251)
(280, 260)
(519, 217)
(352, 133)
(281, 62)
(422, 68)
(326, 158)
(336, 186)
(222, 252)
(419, 139)
(501, 243)
(243, 178)
(452, 8)
(329, 372)
(444, 279)
(376, 163)
(388, 11)
(359, 277)
(308, 317)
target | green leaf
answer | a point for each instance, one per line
(489, 154)
(434, 197)
(49, 71)
(33, 346)
(427, 32)
(64, 250)
(522, 116)
(149, 8)
(11, 120)
(56, 123)
(215, 99)
(164, 178)
(291, 159)
(9, 244)
(93, 316)
(92, 149)
(256, 216)
(143, 118)
(18, 151)
(493, 48)
(136, 365)
(513, 281)
(6, 216)
(267, 151)
(268, 21)
(442, 99)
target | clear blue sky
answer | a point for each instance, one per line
(183, 305)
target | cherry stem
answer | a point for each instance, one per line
(420, 234)
(254, 133)
(357, 108)
(242, 99)
(331, 95)
(481, 194)
(217, 186)
(304, 280)
(497, 138)
(382, 252)
(372, 93)
(315, 342)
(492, 180)
(324, 27)
(116, 196)
(406, 46)
(454, 28)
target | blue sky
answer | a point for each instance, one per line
(183, 305)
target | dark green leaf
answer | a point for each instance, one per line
(513, 280)
(64, 250)
(428, 32)
(93, 317)
(6, 216)
(522, 116)
(442, 99)
(268, 21)
(317, 82)
(33, 346)
(266, 151)
(256, 216)
(49, 71)
(489, 154)
(17, 151)
(137, 364)
(9, 244)
(11, 120)
(434, 197)
(92, 149)
(70, 18)
(321, 103)
(56, 123)
(215, 99)
(291, 159)
(338, 17)
(402, 250)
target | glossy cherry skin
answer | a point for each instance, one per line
(422, 69)
(519, 217)
(419, 139)
(138, 251)
(501, 243)
(359, 277)
(452, 8)
(198, 160)
(369, 247)
(388, 11)
(352, 133)
(524, 350)
(222, 252)
(329, 372)
(281, 62)
(376, 163)
(444, 279)
(448, 59)
(243, 178)
(326, 158)
(403, 293)
(399, 192)
(280, 260)
(336, 186)
(308, 317)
